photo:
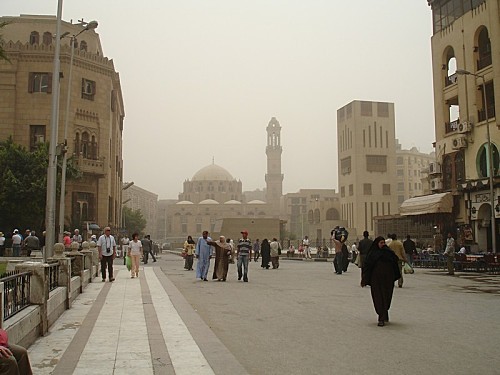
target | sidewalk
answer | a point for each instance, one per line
(141, 326)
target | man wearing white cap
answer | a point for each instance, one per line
(16, 243)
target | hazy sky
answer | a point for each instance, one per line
(202, 79)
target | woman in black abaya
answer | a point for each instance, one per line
(380, 270)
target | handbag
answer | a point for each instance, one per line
(408, 269)
(128, 262)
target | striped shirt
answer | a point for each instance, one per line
(244, 246)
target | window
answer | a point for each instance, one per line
(351, 190)
(386, 189)
(332, 214)
(383, 109)
(47, 38)
(401, 186)
(482, 160)
(366, 109)
(88, 89)
(34, 38)
(342, 191)
(399, 173)
(399, 160)
(376, 163)
(37, 135)
(40, 82)
(345, 165)
(367, 189)
(83, 46)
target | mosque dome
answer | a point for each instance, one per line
(209, 201)
(184, 202)
(256, 201)
(212, 172)
(232, 201)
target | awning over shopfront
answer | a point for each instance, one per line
(427, 204)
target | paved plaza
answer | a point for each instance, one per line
(299, 319)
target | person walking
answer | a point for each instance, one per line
(275, 256)
(147, 248)
(244, 254)
(398, 248)
(124, 242)
(134, 251)
(222, 254)
(337, 261)
(380, 270)
(189, 246)
(410, 249)
(204, 253)
(265, 250)
(77, 238)
(106, 246)
(364, 246)
(256, 250)
(449, 252)
(305, 245)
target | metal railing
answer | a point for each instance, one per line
(53, 275)
(16, 292)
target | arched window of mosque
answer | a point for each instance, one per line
(483, 49)
(310, 216)
(47, 38)
(34, 38)
(482, 160)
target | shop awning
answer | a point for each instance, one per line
(427, 204)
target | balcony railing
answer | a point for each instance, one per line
(90, 166)
(481, 114)
(53, 275)
(451, 126)
(16, 293)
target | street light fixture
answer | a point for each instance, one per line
(490, 157)
(88, 26)
(50, 206)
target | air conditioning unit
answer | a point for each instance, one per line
(459, 143)
(434, 168)
(436, 184)
(464, 127)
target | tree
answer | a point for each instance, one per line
(3, 55)
(133, 221)
(23, 187)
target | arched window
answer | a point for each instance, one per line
(332, 214)
(447, 171)
(86, 145)
(482, 160)
(450, 66)
(310, 216)
(77, 144)
(47, 38)
(83, 46)
(317, 217)
(94, 152)
(460, 166)
(34, 38)
(483, 49)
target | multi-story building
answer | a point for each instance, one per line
(137, 198)
(466, 75)
(95, 116)
(412, 169)
(367, 156)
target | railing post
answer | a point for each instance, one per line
(39, 290)
(1, 304)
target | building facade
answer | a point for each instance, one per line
(367, 156)
(145, 201)
(412, 171)
(95, 116)
(466, 75)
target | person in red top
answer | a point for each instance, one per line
(13, 358)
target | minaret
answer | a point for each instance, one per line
(274, 177)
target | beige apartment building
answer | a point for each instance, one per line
(96, 112)
(313, 213)
(137, 198)
(466, 37)
(367, 156)
(412, 171)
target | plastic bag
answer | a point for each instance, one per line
(128, 262)
(408, 269)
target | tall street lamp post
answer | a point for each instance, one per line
(491, 169)
(52, 163)
(88, 26)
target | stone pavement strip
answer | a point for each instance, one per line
(130, 326)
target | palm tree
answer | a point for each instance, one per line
(3, 55)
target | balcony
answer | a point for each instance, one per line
(451, 127)
(90, 166)
(481, 114)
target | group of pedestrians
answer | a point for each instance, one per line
(19, 243)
